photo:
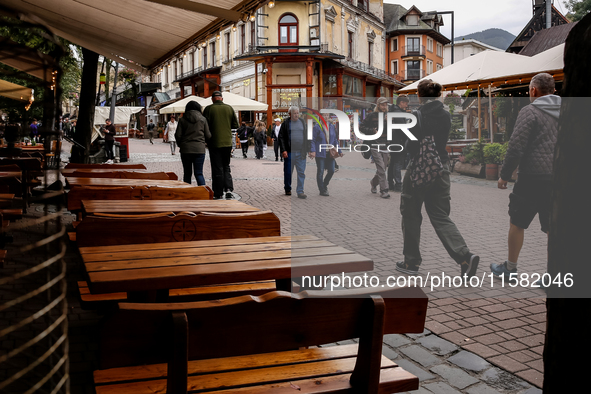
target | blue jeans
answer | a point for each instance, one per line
(321, 165)
(299, 162)
(193, 162)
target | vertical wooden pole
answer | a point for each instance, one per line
(269, 66)
(479, 119)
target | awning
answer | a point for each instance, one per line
(122, 115)
(16, 92)
(133, 32)
(179, 106)
(237, 102)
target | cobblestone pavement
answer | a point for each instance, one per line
(483, 339)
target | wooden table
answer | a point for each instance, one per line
(68, 172)
(91, 207)
(124, 182)
(143, 268)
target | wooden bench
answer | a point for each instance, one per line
(110, 229)
(109, 166)
(249, 344)
(79, 193)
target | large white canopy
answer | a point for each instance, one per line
(144, 32)
(494, 66)
(237, 102)
(122, 115)
(179, 106)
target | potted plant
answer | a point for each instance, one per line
(471, 160)
(494, 154)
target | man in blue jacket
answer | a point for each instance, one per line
(320, 151)
(294, 146)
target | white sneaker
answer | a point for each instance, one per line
(109, 161)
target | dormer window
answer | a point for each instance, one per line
(412, 20)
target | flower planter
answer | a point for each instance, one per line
(492, 172)
(469, 169)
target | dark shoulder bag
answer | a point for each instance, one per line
(426, 164)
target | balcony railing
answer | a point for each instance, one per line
(368, 69)
(188, 74)
(414, 50)
(414, 75)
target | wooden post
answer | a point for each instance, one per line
(269, 67)
(340, 89)
(309, 80)
(490, 114)
(479, 119)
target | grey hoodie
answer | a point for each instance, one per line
(532, 143)
(192, 132)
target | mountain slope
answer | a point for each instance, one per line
(496, 37)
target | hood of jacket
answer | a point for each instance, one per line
(192, 116)
(432, 108)
(549, 104)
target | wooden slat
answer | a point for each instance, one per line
(105, 166)
(151, 206)
(204, 274)
(202, 251)
(195, 244)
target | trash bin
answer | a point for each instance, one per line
(123, 153)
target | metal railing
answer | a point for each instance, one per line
(414, 50)
(414, 75)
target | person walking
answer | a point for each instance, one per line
(222, 119)
(169, 133)
(435, 122)
(34, 127)
(397, 158)
(531, 147)
(294, 146)
(150, 129)
(320, 152)
(192, 133)
(109, 140)
(260, 137)
(380, 157)
(244, 132)
(274, 134)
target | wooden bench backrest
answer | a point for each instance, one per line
(121, 175)
(113, 166)
(79, 193)
(167, 227)
(10, 168)
(25, 164)
(141, 334)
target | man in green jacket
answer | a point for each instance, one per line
(221, 119)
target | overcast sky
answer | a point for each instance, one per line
(476, 15)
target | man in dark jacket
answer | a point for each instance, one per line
(150, 129)
(531, 147)
(244, 133)
(273, 132)
(109, 140)
(381, 156)
(221, 119)
(397, 158)
(294, 146)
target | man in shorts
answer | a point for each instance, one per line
(531, 147)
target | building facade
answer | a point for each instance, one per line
(290, 53)
(414, 42)
(464, 49)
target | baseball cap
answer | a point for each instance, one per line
(381, 100)
(277, 120)
(217, 93)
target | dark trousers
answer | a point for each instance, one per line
(322, 164)
(193, 162)
(258, 150)
(395, 168)
(221, 177)
(244, 146)
(109, 149)
(276, 148)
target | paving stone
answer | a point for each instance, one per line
(469, 361)
(396, 340)
(388, 352)
(441, 388)
(502, 380)
(415, 336)
(420, 355)
(437, 345)
(454, 376)
(481, 389)
(533, 390)
(411, 367)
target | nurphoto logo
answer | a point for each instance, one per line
(407, 121)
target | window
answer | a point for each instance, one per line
(243, 38)
(205, 57)
(412, 20)
(212, 54)
(394, 45)
(350, 47)
(439, 67)
(413, 45)
(227, 35)
(413, 69)
(394, 67)
(195, 59)
(362, 4)
(439, 50)
(369, 54)
(252, 35)
(288, 30)
(429, 67)
(430, 44)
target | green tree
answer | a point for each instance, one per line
(578, 9)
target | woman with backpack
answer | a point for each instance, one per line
(427, 182)
(192, 133)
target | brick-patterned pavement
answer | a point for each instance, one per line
(500, 327)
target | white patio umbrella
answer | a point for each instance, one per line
(179, 106)
(237, 102)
